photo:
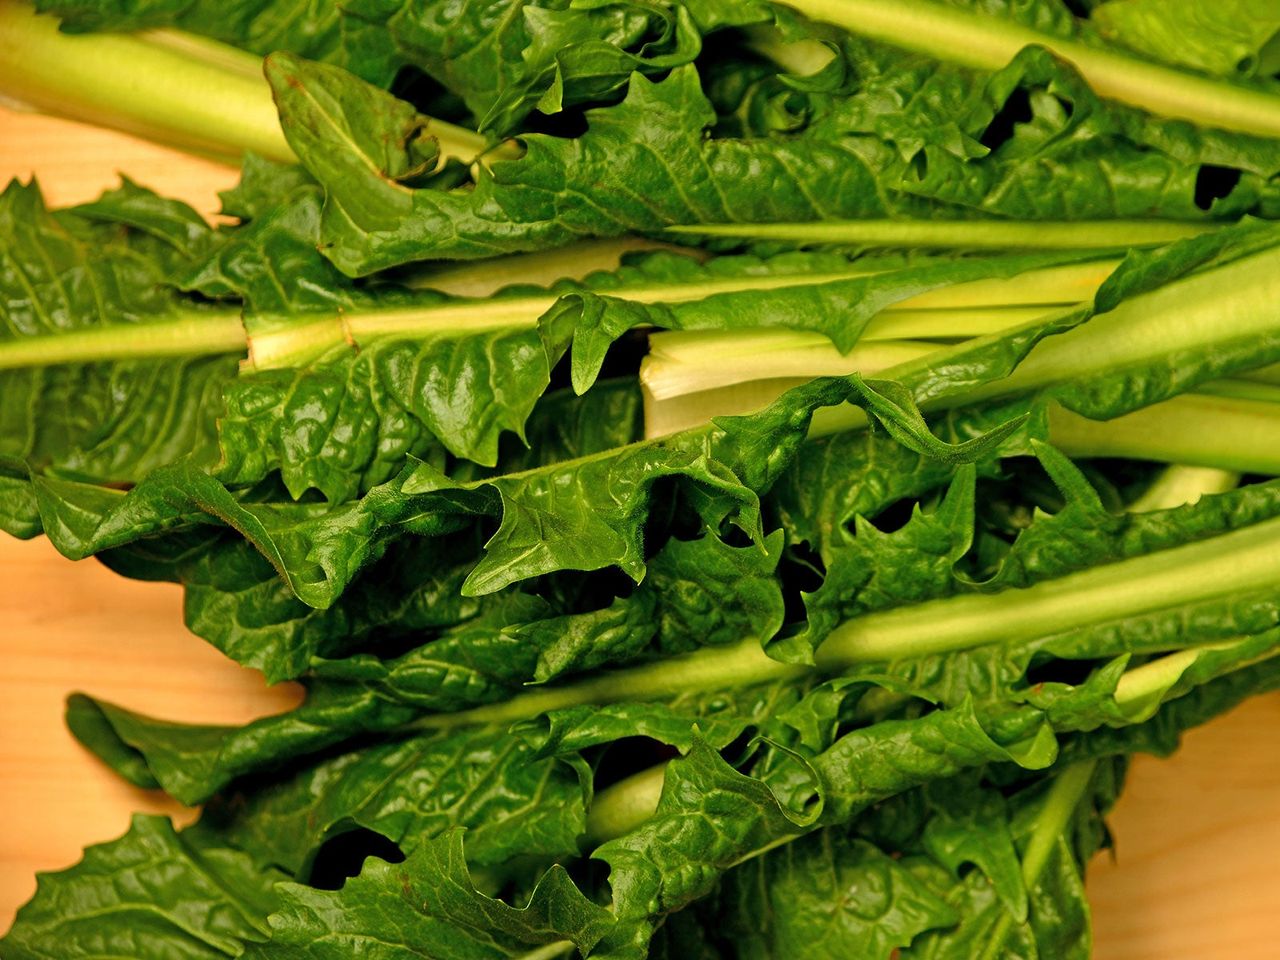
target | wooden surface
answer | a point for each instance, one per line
(75, 162)
(1195, 873)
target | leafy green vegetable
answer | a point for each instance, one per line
(937, 166)
(343, 383)
(75, 279)
(429, 908)
(409, 791)
(828, 635)
(155, 892)
(502, 59)
(506, 59)
(1222, 39)
(971, 36)
(318, 549)
(237, 601)
(1111, 595)
(259, 27)
(794, 901)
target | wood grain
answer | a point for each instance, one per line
(75, 162)
(79, 627)
(1197, 842)
(1198, 836)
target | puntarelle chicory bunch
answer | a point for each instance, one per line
(650, 596)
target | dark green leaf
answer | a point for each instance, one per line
(427, 907)
(828, 897)
(153, 894)
(412, 790)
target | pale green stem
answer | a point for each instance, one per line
(985, 42)
(690, 411)
(221, 55)
(483, 278)
(292, 343)
(1232, 304)
(459, 143)
(168, 86)
(745, 662)
(1143, 688)
(800, 58)
(1180, 484)
(1151, 681)
(191, 334)
(682, 362)
(1060, 803)
(663, 379)
(1235, 562)
(550, 951)
(135, 84)
(1192, 429)
(1226, 424)
(970, 234)
(1056, 811)
(623, 806)
(959, 323)
(695, 360)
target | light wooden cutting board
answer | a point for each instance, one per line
(1196, 874)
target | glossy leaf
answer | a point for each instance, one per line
(411, 791)
(77, 274)
(1224, 39)
(153, 893)
(427, 907)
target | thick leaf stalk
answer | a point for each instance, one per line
(986, 42)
